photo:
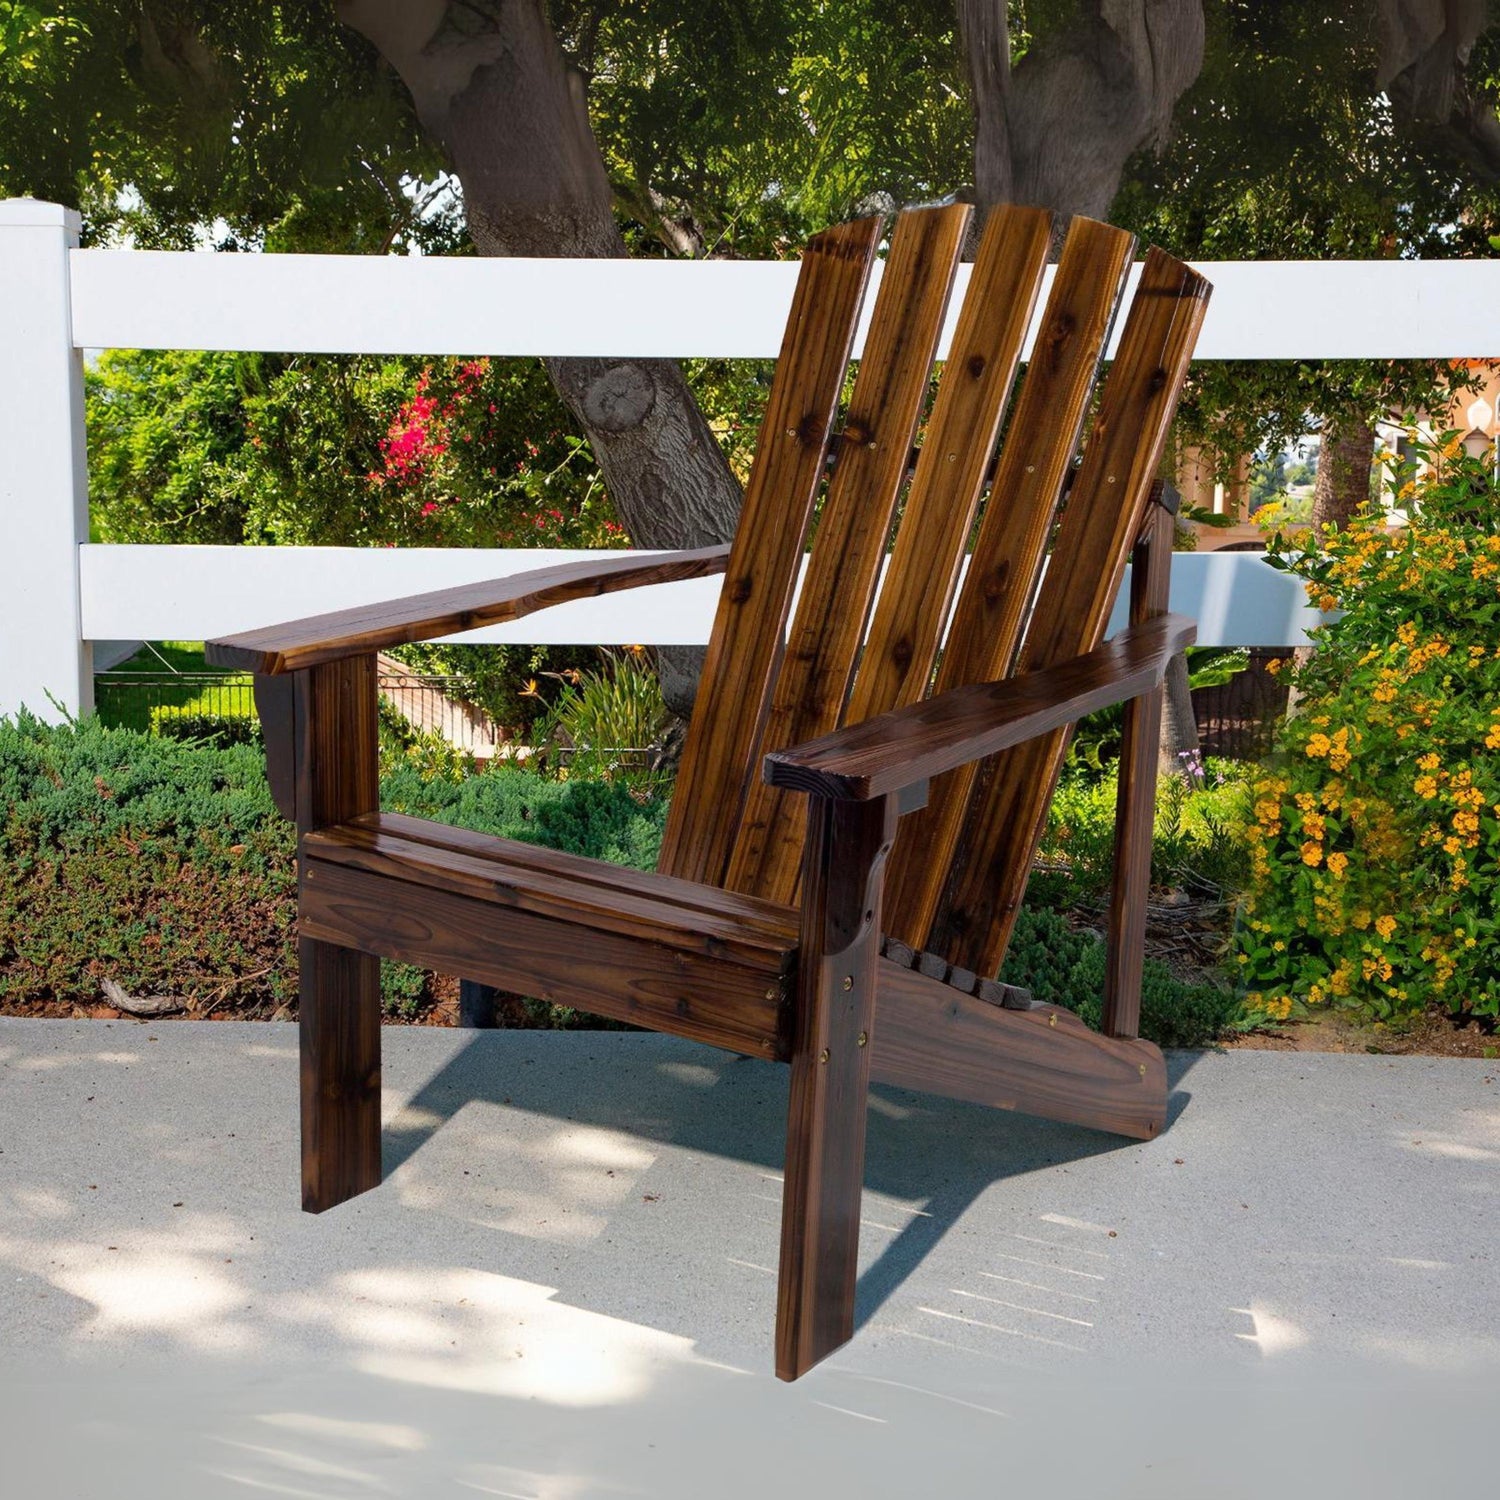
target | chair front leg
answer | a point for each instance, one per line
(847, 843)
(322, 755)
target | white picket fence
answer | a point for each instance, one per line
(59, 593)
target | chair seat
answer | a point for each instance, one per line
(631, 944)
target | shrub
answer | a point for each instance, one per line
(1375, 842)
(216, 729)
(1197, 836)
(162, 864)
(609, 724)
(1066, 967)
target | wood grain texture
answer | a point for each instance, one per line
(419, 617)
(336, 773)
(338, 1030)
(925, 739)
(760, 921)
(628, 902)
(835, 1014)
(812, 684)
(1007, 807)
(1008, 550)
(276, 707)
(1042, 1061)
(952, 463)
(1135, 802)
(746, 645)
(726, 1004)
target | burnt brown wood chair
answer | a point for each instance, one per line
(858, 800)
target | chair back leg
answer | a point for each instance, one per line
(1135, 795)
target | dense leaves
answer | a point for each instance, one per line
(1376, 836)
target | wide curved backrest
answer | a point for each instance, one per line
(876, 616)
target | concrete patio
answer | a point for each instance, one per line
(565, 1286)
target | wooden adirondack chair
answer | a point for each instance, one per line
(789, 917)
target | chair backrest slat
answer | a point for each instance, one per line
(1008, 804)
(940, 507)
(1008, 551)
(746, 643)
(849, 544)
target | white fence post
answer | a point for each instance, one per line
(43, 470)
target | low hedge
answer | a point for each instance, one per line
(161, 864)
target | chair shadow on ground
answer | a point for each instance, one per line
(936, 1153)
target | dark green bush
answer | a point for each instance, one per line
(161, 864)
(1066, 967)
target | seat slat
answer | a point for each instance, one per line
(506, 873)
(889, 391)
(749, 627)
(1008, 550)
(1008, 805)
(777, 923)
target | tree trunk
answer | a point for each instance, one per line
(1179, 725)
(1057, 129)
(491, 84)
(1345, 460)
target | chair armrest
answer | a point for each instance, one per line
(419, 617)
(909, 746)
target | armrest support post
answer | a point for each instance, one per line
(1135, 796)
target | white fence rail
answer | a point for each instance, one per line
(58, 593)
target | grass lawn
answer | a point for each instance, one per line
(201, 690)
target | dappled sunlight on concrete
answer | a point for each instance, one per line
(566, 1285)
(531, 1176)
(1270, 1332)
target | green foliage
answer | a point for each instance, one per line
(516, 686)
(1196, 838)
(1284, 150)
(165, 432)
(158, 119)
(1066, 967)
(333, 451)
(606, 723)
(744, 125)
(1096, 738)
(1375, 840)
(161, 864)
(153, 862)
(215, 728)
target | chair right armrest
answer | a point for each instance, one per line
(907, 747)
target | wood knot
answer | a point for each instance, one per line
(996, 583)
(1060, 328)
(976, 365)
(740, 589)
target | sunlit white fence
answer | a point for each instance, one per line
(59, 593)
